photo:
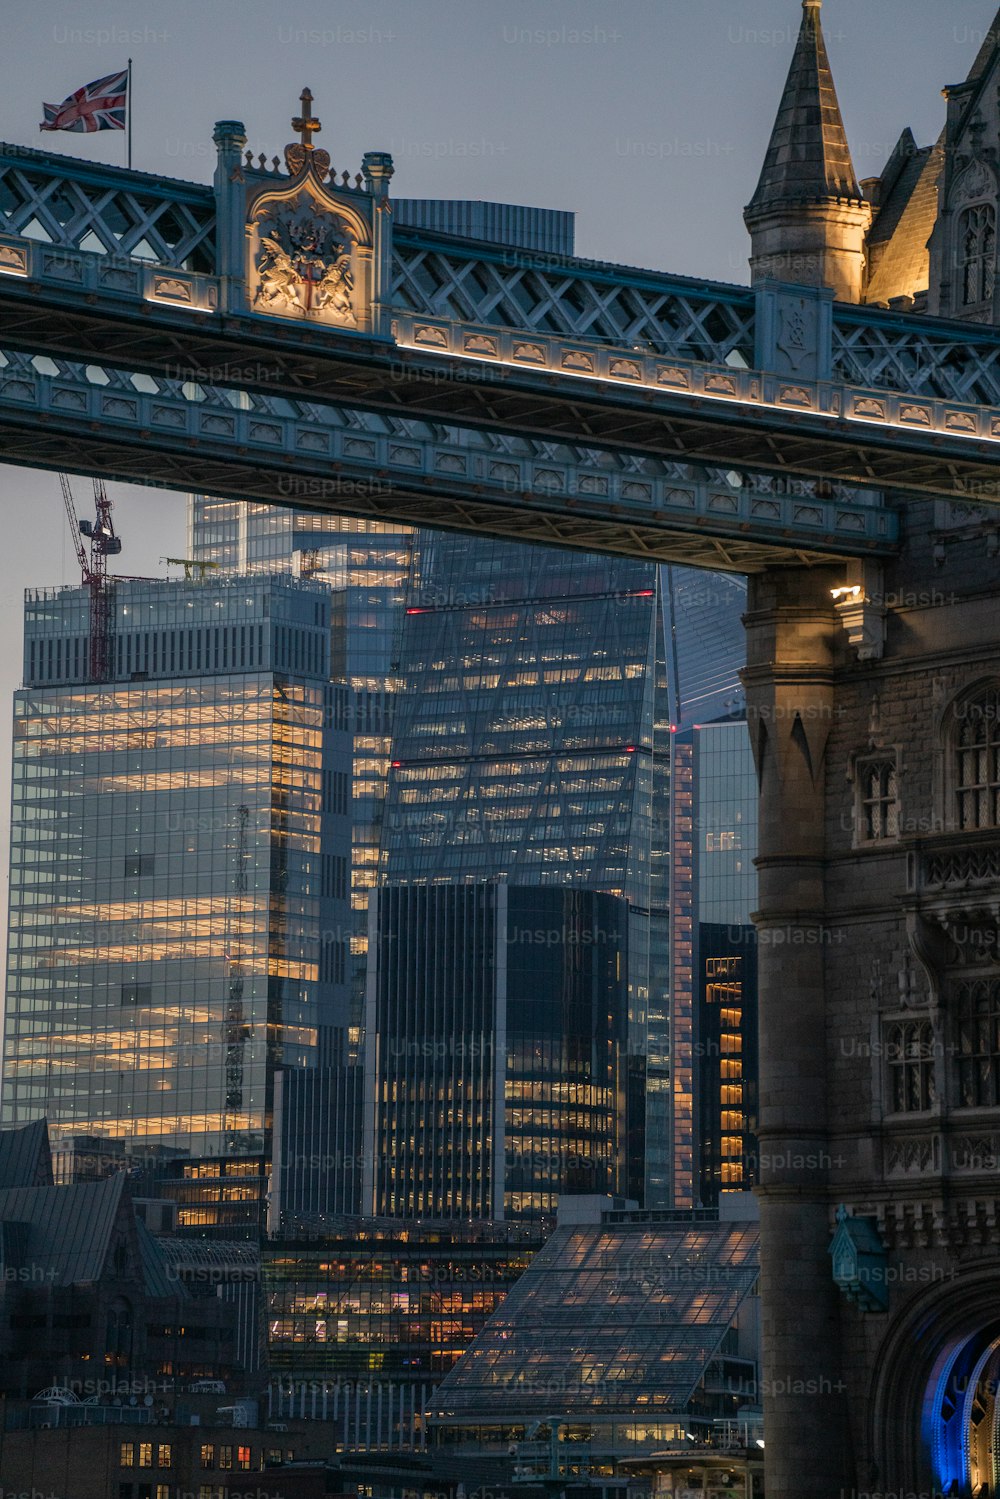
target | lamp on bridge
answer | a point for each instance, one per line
(862, 613)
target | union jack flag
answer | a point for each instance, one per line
(97, 106)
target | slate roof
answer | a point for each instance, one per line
(808, 159)
(990, 43)
(898, 252)
(155, 1270)
(607, 1318)
(69, 1228)
(25, 1157)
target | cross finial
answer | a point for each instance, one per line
(304, 123)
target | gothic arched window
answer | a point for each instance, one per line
(977, 243)
(879, 800)
(910, 1054)
(977, 760)
(977, 1012)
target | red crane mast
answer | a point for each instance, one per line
(94, 570)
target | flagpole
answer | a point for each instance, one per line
(128, 101)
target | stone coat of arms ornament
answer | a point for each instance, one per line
(317, 251)
(305, 263)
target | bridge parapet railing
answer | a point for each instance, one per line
(136, 222)
(81, 205)
(925, 356)
(118, 275)
(592, 300)
(830, 398)
(334, 452)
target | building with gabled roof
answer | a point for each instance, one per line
(88, 1300)
(25, 1156)
(920, 236)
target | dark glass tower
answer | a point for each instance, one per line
(496, 1063)
(725, 958)
(532, 744)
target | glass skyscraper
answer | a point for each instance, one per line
(512, 710)
(532, 744)
(496, 1051)
(725, 958)
(368, 568)
(178, 901)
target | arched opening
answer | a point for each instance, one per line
(935, 1413)
(977, 252)
(961, 1417)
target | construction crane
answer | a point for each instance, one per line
(236, 1031)
(94, 570)
(190, 566)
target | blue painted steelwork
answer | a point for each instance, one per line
(172, 223)
(948, 1411)
(161, 266)
(357, 462)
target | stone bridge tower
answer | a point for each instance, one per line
(874, 704)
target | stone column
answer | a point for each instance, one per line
(378, 171)
(230, 138)
(791, 634)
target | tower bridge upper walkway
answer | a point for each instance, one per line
(276, 336)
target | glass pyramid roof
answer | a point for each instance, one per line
(616, 1318)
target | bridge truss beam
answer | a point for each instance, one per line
(186, 436)
(695, 413)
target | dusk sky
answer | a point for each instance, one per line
(649, 118)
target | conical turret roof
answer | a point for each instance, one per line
(808, 158)
(986, 51)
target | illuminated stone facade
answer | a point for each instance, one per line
(873, 699)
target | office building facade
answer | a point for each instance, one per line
(511, 710)
(496, 1074)
(178, 878)
(531, 745)
(725, 958)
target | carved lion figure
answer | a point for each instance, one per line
(278, 281)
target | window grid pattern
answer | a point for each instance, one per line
(126, 925)
(910, 1049)
(879, 800)
(977, 1012)
(368, 567)
(977, 240)
(532, 743)
(407, 1304)
(977, 750)
(615, 1318)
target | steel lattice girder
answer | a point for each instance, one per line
(65, 423)
(371, 375)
